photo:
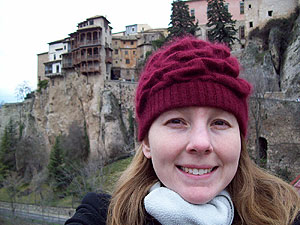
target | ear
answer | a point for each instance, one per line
(146, 148)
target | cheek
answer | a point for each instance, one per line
(230, 151)
(164, 147)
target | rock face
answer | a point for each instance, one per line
(67, 100)
(290, 79)
(257, 67)
(274, 109)
(114, 132)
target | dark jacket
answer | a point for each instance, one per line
(93, 211)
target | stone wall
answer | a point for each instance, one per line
(280, 129)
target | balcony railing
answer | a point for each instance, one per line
(53, 74)
(89, 69)
(67, 65)
(89, 42)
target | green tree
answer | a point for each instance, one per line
(182, 23)
(221, 23)
(7, 150)
(56, 166)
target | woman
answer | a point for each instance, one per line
(192, 166)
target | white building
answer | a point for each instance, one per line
(136, 28)
(54, 64)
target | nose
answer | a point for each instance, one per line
(199, 141)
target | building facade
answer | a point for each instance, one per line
(130, 49)
(259, 12)
(136, 28)
(53, 67)
(248, 14)
(124, 58)
(91, 47)
(87, 51)
(42, 59)
(198, 9)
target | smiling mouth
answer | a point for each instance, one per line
(196, 171)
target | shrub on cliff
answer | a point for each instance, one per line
(56, 167)
(7, 150)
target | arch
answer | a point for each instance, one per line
(263, 150)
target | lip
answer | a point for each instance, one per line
(181, 168)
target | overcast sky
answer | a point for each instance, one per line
(28, 26)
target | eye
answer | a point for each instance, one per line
(175, 122)
(221, 124)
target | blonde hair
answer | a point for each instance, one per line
(259, 197)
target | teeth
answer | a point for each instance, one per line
(195, 171)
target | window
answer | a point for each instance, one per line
(133, 52)
(57, 68)
(126, 52)
(242, 7)
(116, 51)
(249, 6)
(54, 57)
(192, 12)
(91, 22)
(270, 13)
(250, 24)
(124, 42)
(131, 42)
(242, 32)
(127, 61)
(48, 69)
(96, 51)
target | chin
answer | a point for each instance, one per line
(197, 200)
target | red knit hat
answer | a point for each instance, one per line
(191, 72)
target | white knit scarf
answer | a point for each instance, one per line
(169, 208)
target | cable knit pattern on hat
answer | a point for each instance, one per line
(191, 72)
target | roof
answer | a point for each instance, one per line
(58, 41)
(95, 17)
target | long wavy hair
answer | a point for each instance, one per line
(259, 197)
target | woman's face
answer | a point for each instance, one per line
(195, 151)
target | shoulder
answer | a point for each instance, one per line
(91, 211)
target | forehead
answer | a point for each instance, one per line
(197, 110)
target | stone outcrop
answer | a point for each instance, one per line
(274, 47)
(114, 132)
(290, 79)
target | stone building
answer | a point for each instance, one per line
(53, 67)
(136, 28)
(91, 47)
(87, 51)
(248, 14)
(42, 59)
(198, 8)
(130, 49)
(259, 12)
(144, 41)
(124, 58)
